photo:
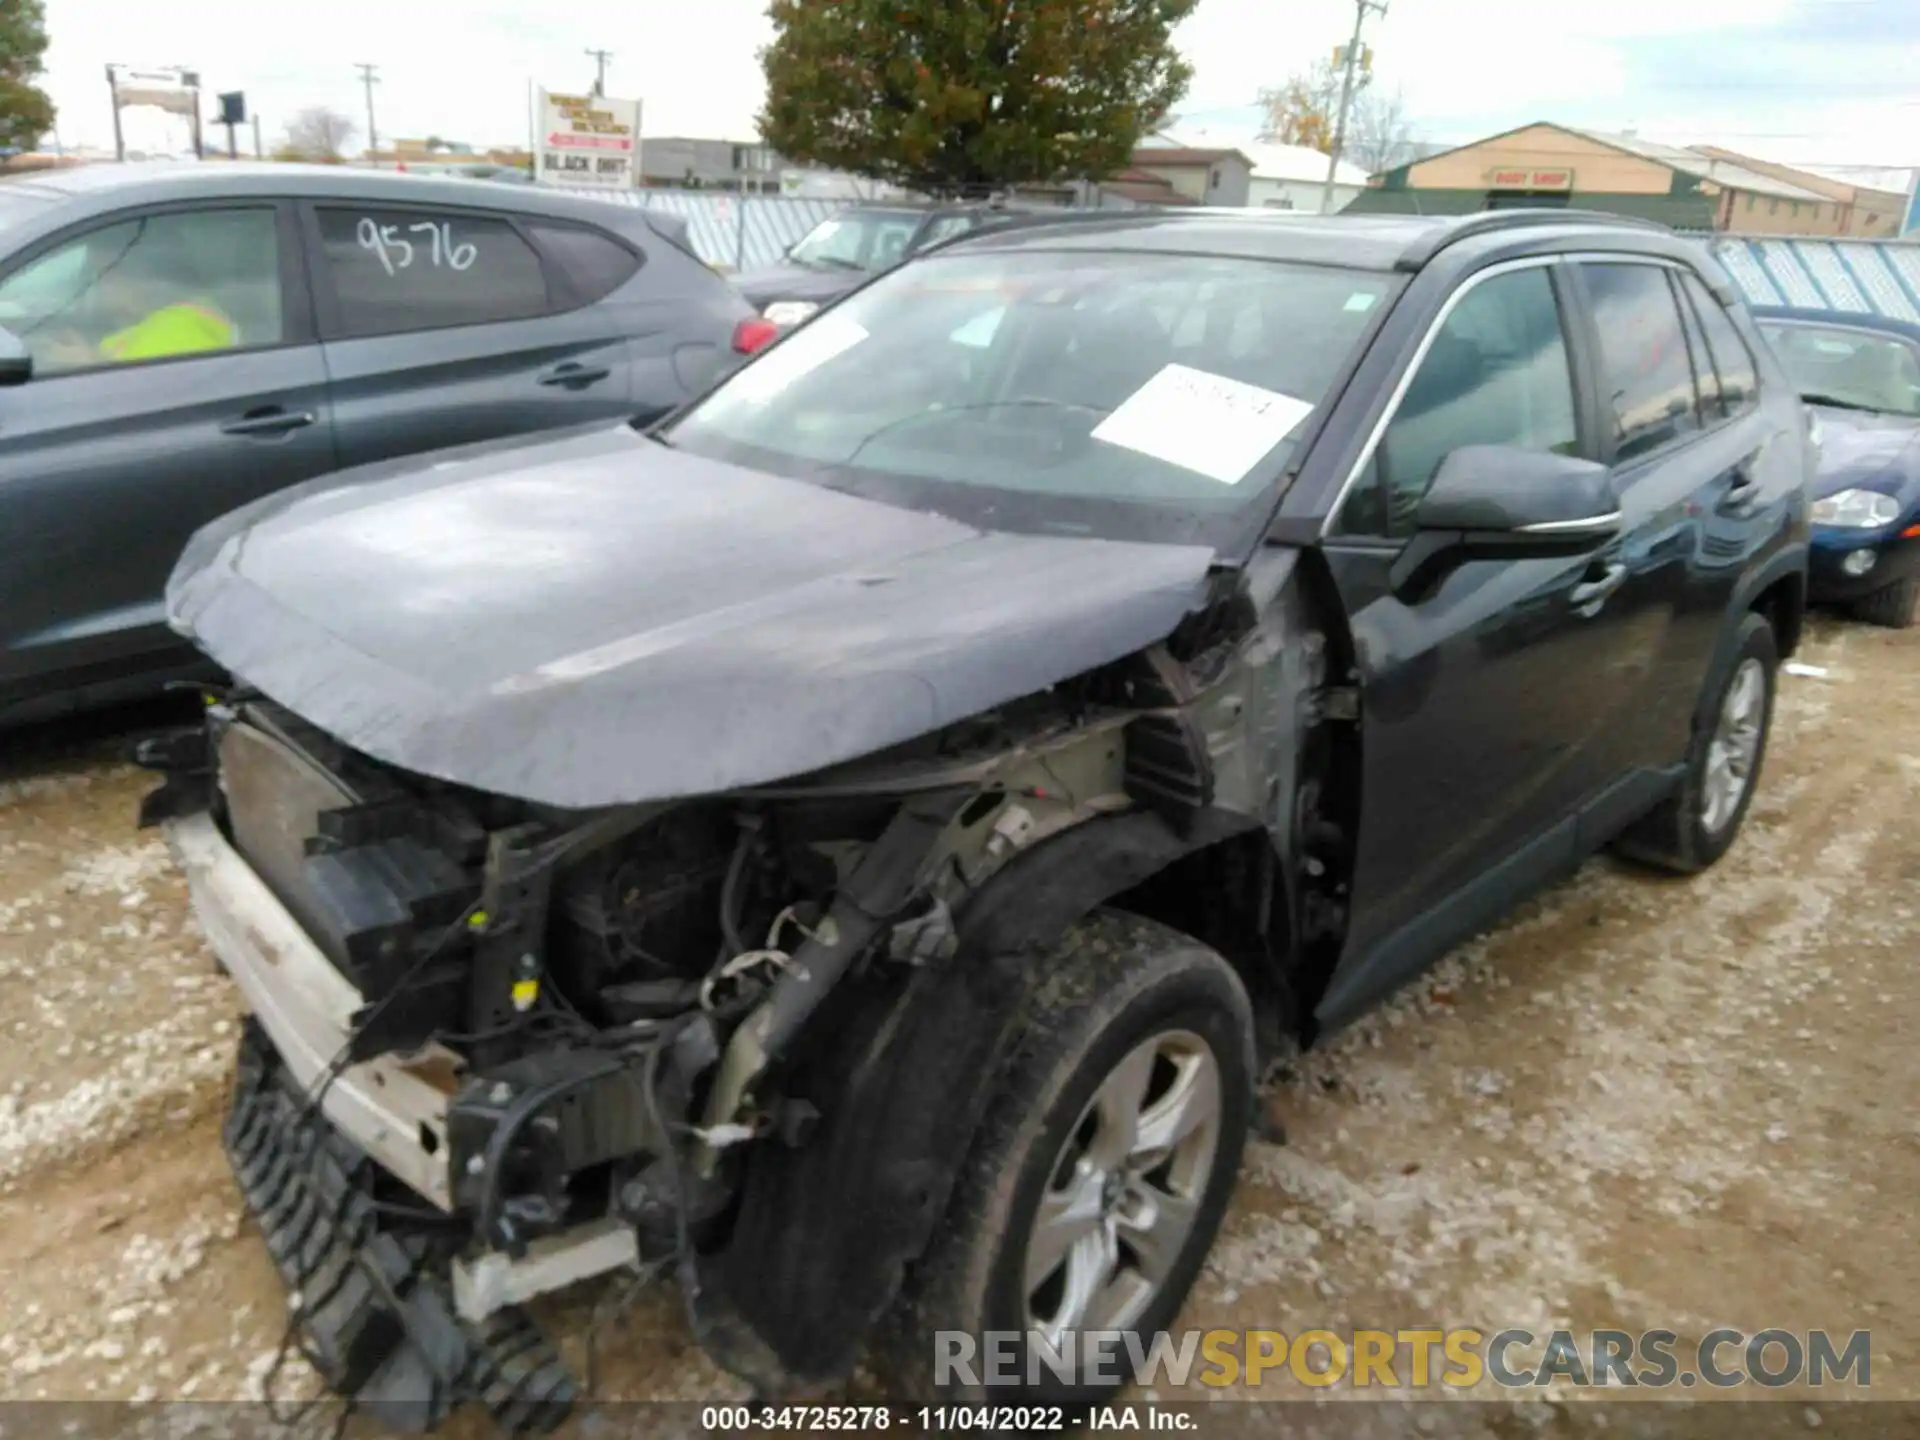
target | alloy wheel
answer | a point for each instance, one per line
(1733, 751)
(1125, 1190)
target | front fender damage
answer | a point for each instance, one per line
(780, 1122)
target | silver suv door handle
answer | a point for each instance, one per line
(269, 422)
(575, 376)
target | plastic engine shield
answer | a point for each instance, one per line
(378, 1321)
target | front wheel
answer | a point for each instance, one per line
(1098, 1179)
(1694, 828)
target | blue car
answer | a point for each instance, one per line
(1860, 378)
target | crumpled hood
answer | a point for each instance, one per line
(1863, 450)
(797, 282)
(597, 619)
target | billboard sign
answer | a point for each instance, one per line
(176, 91)
(588, 140)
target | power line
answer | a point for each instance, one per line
(369, 77)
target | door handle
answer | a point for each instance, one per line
(575, 376)
(1746, 485)
(1593, 592)
(268, 422)
(1741, 492)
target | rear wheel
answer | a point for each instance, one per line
(1694, 828)
(1099, 1177)
(1891, 605)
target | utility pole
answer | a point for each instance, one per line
(119, 138)
(1361, 8)
(600, 58)
(191, 80)
(258, 153)
(369, 77)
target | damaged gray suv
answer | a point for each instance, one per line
(854, 845)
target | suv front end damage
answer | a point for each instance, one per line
(496, 1047)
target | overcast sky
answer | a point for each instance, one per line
(1817, 81)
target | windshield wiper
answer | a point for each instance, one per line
(1834, 402)
(948, 412)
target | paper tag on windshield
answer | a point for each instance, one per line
(801, 352)
(1203, 422)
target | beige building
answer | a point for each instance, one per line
(1696, 188)
(1863, 211)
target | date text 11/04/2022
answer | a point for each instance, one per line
(941, 1419)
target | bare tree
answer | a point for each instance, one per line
(317, 134)
(1379, 135)
(1304, 109)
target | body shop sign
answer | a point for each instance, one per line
(588, 140)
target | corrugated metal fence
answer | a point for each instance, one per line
(1862, 277)
(745, 232)
(733, 232)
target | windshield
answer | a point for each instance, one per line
(1854, 369)
(858, 240)
(1125, 395)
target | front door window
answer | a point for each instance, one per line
(155, 287)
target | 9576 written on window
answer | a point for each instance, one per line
(395, 270)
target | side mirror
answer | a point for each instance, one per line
(1506, 490)
(1500, 502)
(16, 361)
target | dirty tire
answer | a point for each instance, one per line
(1674, 836)
(1890, 606)
(1115, 985)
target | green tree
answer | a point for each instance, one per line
(944, 95)
(25, 111)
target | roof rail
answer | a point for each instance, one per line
(1485, 222)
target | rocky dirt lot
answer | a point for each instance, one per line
(1640, 1103)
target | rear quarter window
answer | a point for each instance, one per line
(1733, 362)
(589, 265)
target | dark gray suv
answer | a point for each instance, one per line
(857, 849)
(179, 341)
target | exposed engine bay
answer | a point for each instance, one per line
(590, 975)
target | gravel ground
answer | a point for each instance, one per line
(1640, 1103)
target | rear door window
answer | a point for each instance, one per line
(1646, 378)
(588, 264)
(392, 270)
